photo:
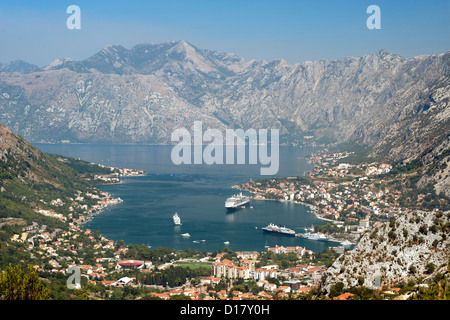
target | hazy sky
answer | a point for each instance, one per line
(36, 31)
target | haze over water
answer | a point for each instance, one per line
(198, 194)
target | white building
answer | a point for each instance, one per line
(123, 282)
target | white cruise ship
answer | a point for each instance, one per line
(237, 201)
(280, 230)
(176, 219)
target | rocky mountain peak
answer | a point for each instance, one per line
(56, 63)
(19, 66)
(183, 50)
(383, 53)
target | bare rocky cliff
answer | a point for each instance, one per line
(412, 247)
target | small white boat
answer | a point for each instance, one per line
(185, 235)
(176, 219)
(226, 243)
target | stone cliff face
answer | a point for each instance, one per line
(394, 252)
(140, 95)
(95, 107)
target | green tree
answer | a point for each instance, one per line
(439, 289)
(336, 289)
(16, 284)
(430, 267)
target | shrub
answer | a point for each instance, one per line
(423, 229)
(412, 269)
(392, 235)
(429, 268)
(405, 233)
(336, 289)
(433, 228)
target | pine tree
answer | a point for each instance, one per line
(16, 284)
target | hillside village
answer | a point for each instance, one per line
(224, 275)
(103, 262)
(106, 262)
(353, 197)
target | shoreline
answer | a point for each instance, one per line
(313, 209)
(96, 211)
(113, 201)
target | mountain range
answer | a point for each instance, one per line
(397, 106)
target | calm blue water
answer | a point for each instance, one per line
(197, 193)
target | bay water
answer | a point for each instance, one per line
(197, 193)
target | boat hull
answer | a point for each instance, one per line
(279, 233)
(237, 201)
(314, 237)
(238, 206)
(176, 220)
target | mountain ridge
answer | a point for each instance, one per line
(30, 179)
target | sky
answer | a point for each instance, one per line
(297, 31)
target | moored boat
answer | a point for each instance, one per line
(279, 230)
(237, 201)
(314, 236)
(176, 219)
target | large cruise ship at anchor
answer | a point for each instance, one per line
(237, 201)
(280, 230)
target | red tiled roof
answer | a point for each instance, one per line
(344, 296)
